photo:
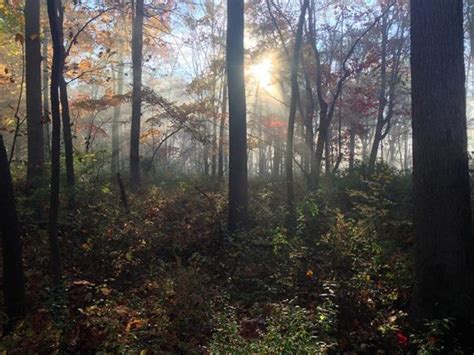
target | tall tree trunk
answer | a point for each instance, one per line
(55, 142)
(35, 168)
(387, 97)
(262, 163)
(257, 120)
(205, 153)
(276, 158)
(327, 152)
(116, 123)
(309, 134)
(444, 243)
(351, 149)
(238, 179)
(222, 130)
(137, 48)
(214, 145)
(45, 90)
(382, 97)
(324, 121)
(67, 136)
(13, 278)
(405, 151)
(290, 193)
(470, 22)
(215, 112)
(66, 117)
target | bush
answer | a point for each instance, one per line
(290, 329)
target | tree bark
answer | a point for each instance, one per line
(116, 124)
(309, 133)
(137, 48)
(290, 193)
(67, 136)
(238, 179)
(55, 142)
(382, 97)
(66, 117)
(387, 95)
(13, 277)
(35, 167)
(46, 116)
(276, 159)
(442, 205)
(220, 162)
(351, 149)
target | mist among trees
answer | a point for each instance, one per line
(236, 177)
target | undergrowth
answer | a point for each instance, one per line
(167, 278)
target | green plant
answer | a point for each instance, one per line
(290, 329)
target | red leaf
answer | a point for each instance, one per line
(402, 339)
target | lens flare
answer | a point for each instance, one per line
(262, 73)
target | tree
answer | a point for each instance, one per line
(327, 108)
(45, 85)
(290, 194)
(220, 162)
(388, 80)
(115, 122)
(13, 278)
(33, 91)
(238, 184)
(65, 114)
(55, 140)
(444, 244)
(137, 47)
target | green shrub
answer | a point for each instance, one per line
(290, 329)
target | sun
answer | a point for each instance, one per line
(262, 73)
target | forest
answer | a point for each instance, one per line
(236, 177)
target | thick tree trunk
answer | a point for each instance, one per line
(13, 278)
(238, 180)
(290, 194)
(35, 168)
(55, 142)
(444, 243)
(137, 48)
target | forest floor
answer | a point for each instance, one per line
(167, 278)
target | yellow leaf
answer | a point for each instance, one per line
(86, 246)
(85, 65)
(106, 291)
